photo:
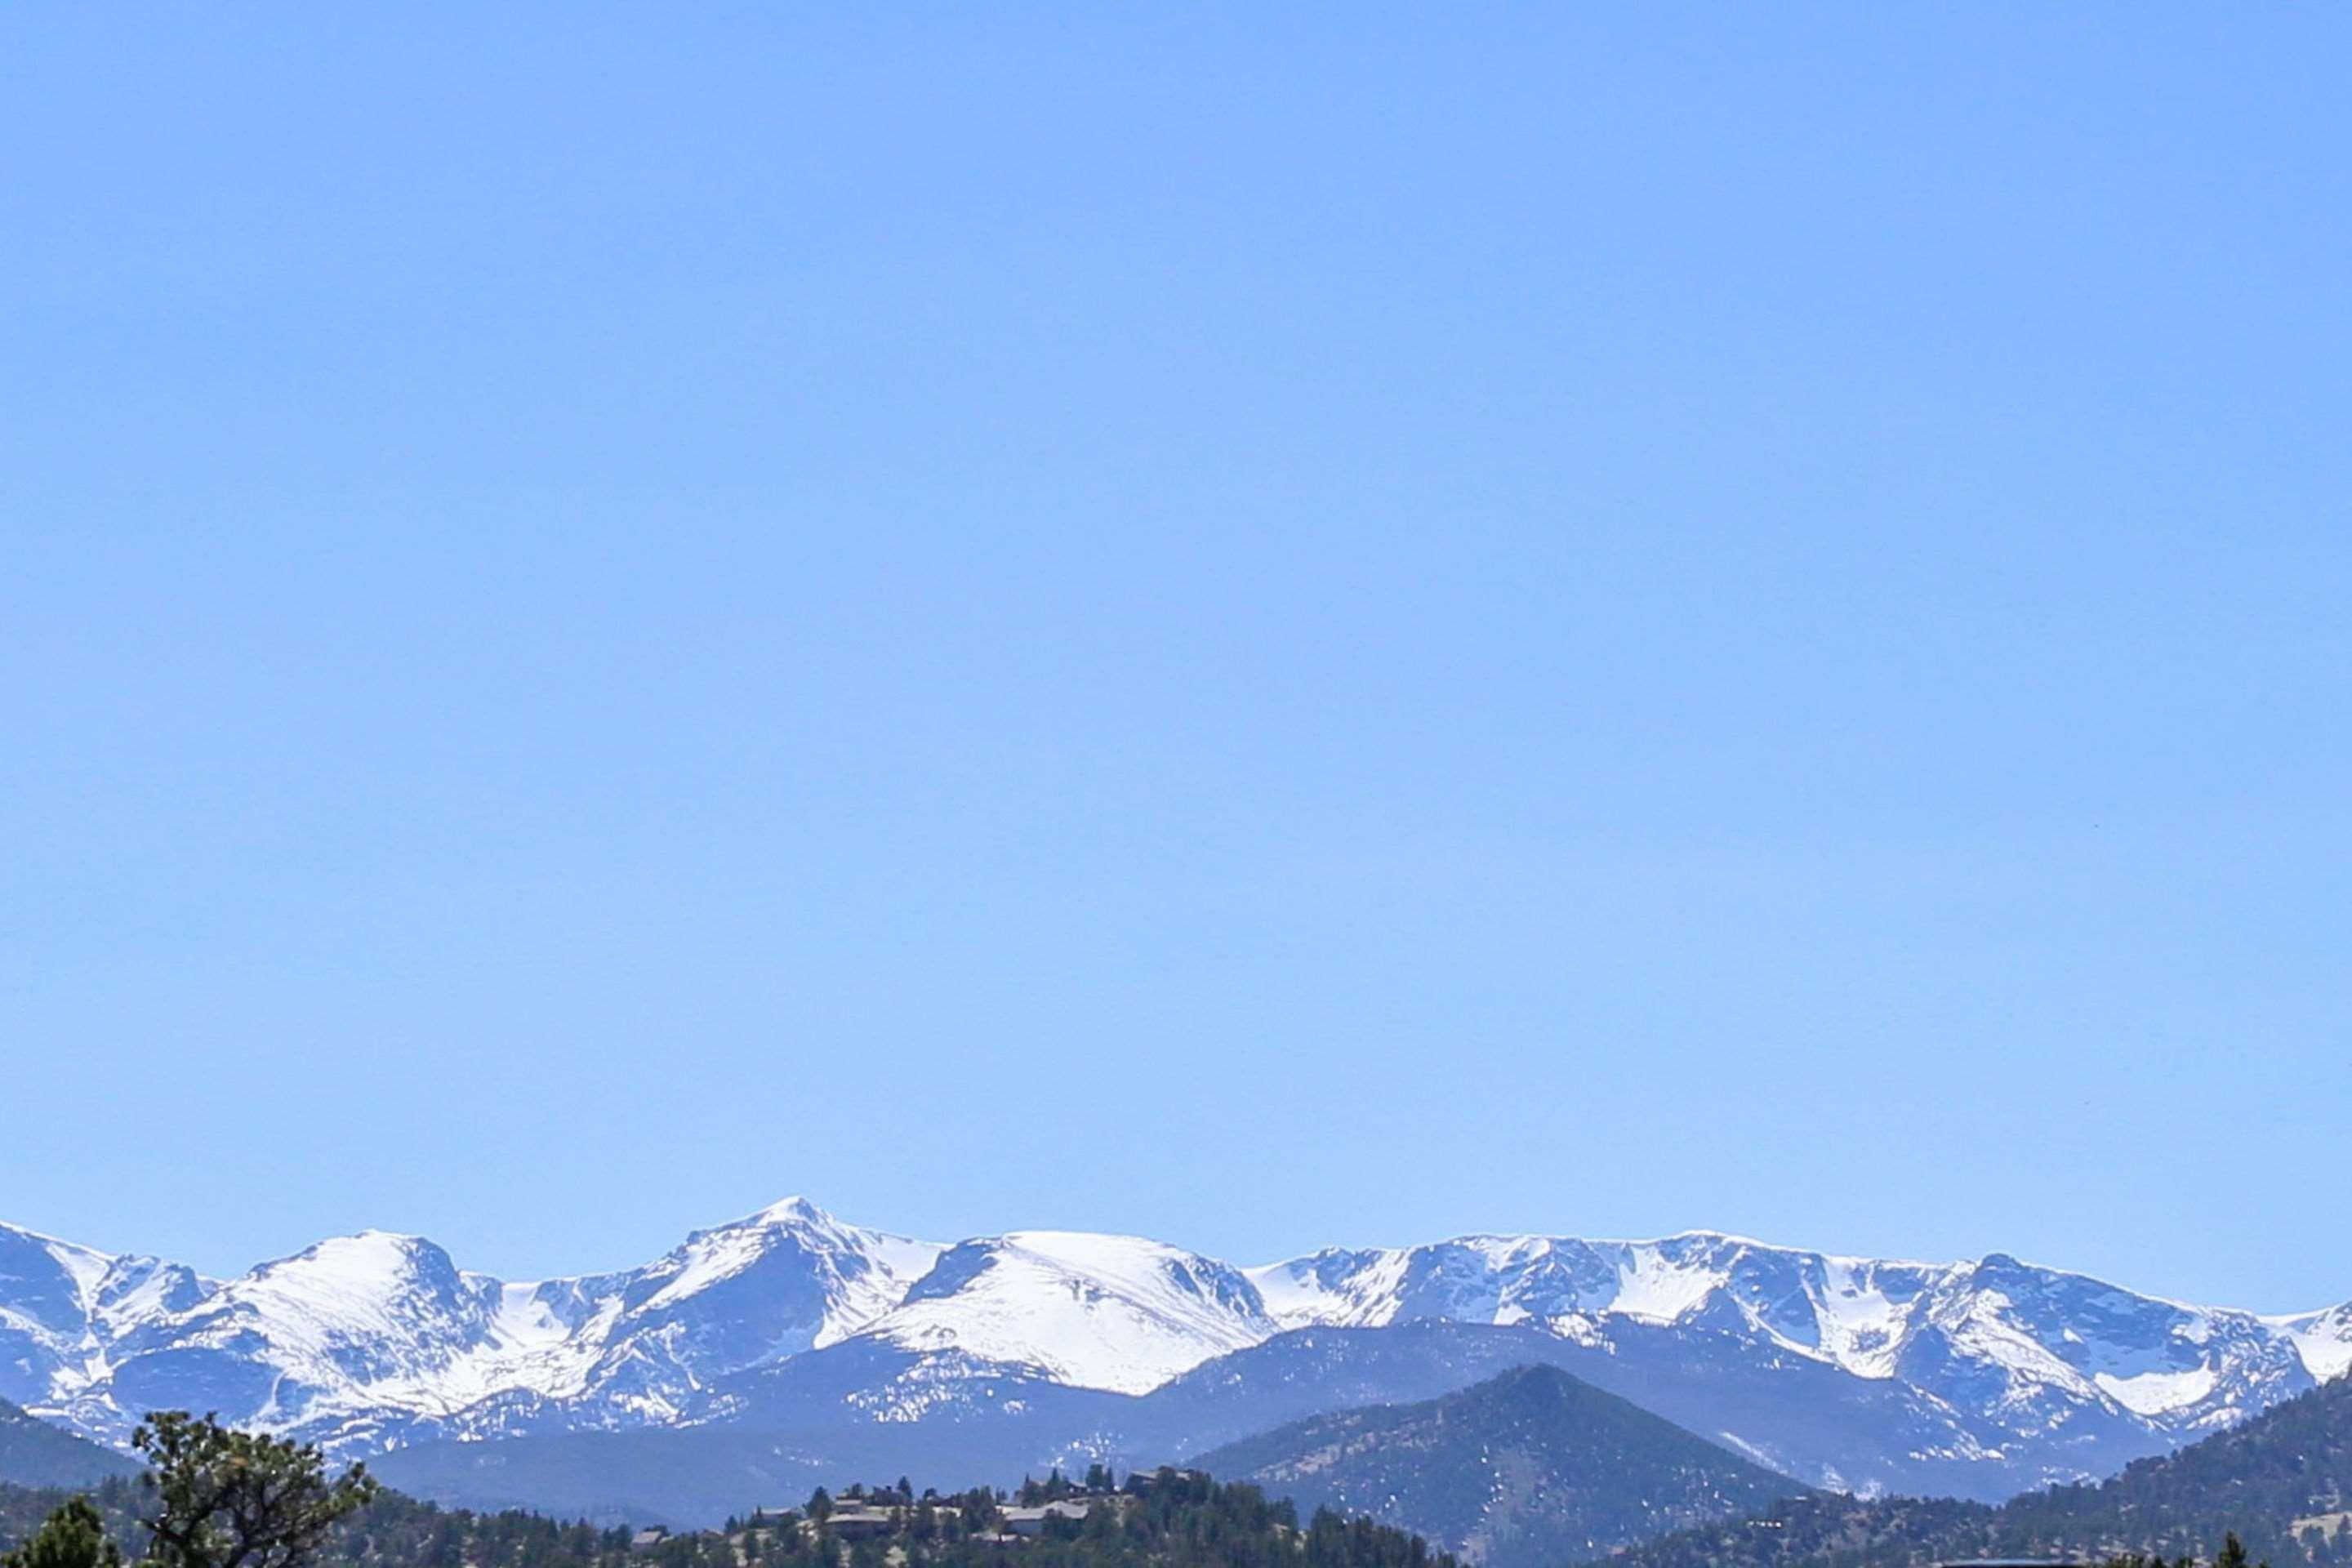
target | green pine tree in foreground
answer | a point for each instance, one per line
(73, 1537)
(224, 1499)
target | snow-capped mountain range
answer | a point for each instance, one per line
(377, 1341)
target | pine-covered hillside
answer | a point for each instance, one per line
(1528, 1470)
(1167, 1521)
(2283, 1482)
(394, 1530)
(34, 1453)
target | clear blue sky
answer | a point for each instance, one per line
(1270, 626)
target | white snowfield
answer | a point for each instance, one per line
(376, 1339)
(2323, 1340)
(1094, 1312)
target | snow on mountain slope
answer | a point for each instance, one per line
(60, 1302)
(352, 1308)
(2322, 1338)
(375, 1341)
(1095, 1311)
(45, 1286)
(1802, 1300)
(365, 1340)
(2031, 1346)
(334, 1335)
(842, 1278)
(2189, 1369)
(788, 1279)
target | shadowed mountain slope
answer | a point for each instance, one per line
(34, 1453)
(1527, 1469)
(2283, 1481)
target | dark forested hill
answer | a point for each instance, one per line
(2283, 1481)
(1175, 1521)
(34, 1453)
(396, 1531)
(1530, 1469)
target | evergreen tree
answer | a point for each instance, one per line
(226, 1499)
(72, 1537)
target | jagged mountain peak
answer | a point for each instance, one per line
(380, 1337)
(790, 1209)
(792, 1213)
(2032, 1344)
(45, 1280)
(806, 1277)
